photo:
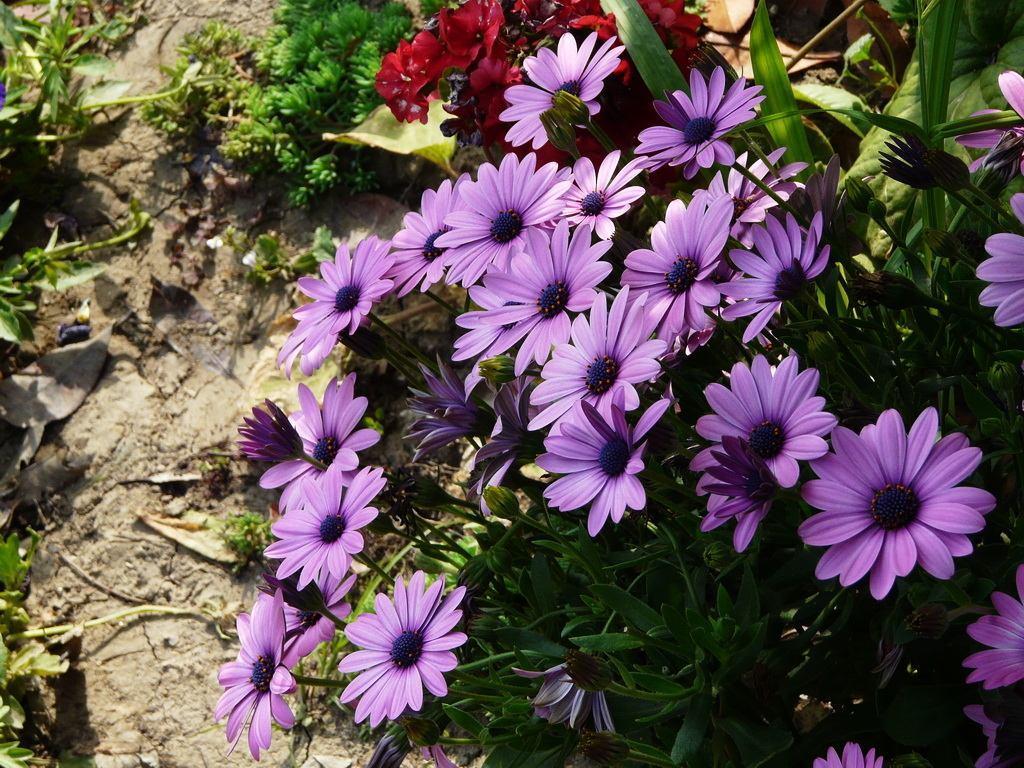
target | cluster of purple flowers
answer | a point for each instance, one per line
(588, 344)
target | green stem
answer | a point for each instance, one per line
(485, 661)
(452, 309)
(321, 682)
(602, 138)
(138, 610)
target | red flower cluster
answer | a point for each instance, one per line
(472, 57)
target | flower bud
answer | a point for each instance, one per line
(603, 747)
(429, 495)
(421, 731)
(475, 573)
(950, 172)
(561, 132)
(1003, 376)
(364, 342)
(498, 370)
(390, 751)
(928, 621)
(821, 346)
(571, 108)
(859, 194)
(887, 289)
(942, 244)
(501, 501)
(588, 672)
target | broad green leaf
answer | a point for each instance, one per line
(757, 743)
(13, 756)
(82, 272)
(464, 720)
(93, 65)
(631, 608)
(384, 131)
(922, 714)
(525, 640)
(102, 93)
(829, 97)
(33, 660)
(652, 59)
(691, 733)
(13, 567)
(770, 73)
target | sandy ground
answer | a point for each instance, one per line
(141, 693)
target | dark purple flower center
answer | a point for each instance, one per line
(346, 298)
(308, 619)
(407, 648)
(601, 375)
(331, 528)
(766, 439)
(325, 450)
(682, 275)
(431, 251)
(553, 298)
(572, 86)
(593, 203)
(789, 281)
(506, 225)
(740, 206)
(894, 506)
(614, 457)
(698, 130)
(262, 674)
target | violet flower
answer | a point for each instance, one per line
(742, 488)
(1004, 272)
(579, 71)
(1006, 146)
(601, 196)
(255, 683)
(610, 351)
(418, 258)
(407, 645)
(446, 409)
(892, 500)
(698, 123)
(853, 756)
(538, 291)
(1003, 663)
(307, 629)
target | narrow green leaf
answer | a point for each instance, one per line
(652, 59)
(7, 218)
(608, 642)
(525, 640)
(632, 609)
(770, 74)
(464, 720)
(691, 733)
(93, 65)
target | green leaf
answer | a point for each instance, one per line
(11, 329)
(652, 59)
(81, 272)
(631, 608)
(525, 640)
(829, 97)
(33, 660)
(770, 74)
(13, 756)
(608, 642)
(691, 733)
(757, 743)
(923, 714)
(101, 93)
(93, 65)
(384, 131)
(464, 720)
(13, 568)
(7, 218)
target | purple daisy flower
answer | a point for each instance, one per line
(269, 435)
(437, 754)
(854, 756)
(1006, 146)
(407, 645)
(418, 258)
(785, 260)
(677, 272)
(892, 500)
(742, 488)
(499, 208)
(698, 122)
(599, 461)
(775, 411)
(1003, 664)
(306, 629)
(329, 437)
(1003, 726)
(343, 296)
(750, 202)
(561, 700)
(1004, 272)
(447, 411)
(255, 683)
(598, 197)
(538, 291)
(580, 72)
(321, 536)
(493, 461)
(610, 352)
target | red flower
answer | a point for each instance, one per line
(408, 75)
(470, 30)
(554, 18)
(676, 27)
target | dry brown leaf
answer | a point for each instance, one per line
(736, 50)
(194, 531)
(728, 16)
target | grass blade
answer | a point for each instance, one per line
(770, 74)
(649, 54)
